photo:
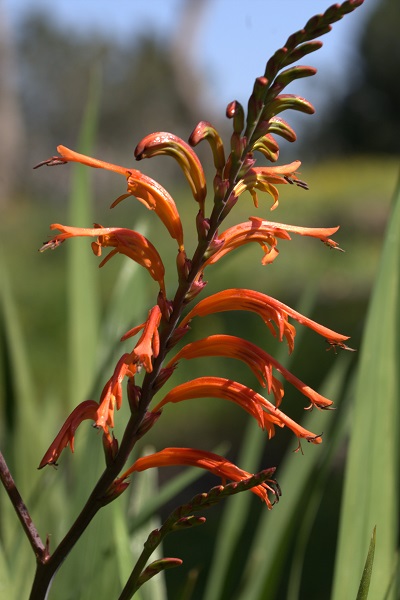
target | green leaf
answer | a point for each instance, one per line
(299, 477)
(371, 484)
(366, 576)
(20, 403)
(83, 322)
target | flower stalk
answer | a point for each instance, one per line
(145, 368)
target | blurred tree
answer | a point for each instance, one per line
(142, 85)
(11, 125)
(367, 118)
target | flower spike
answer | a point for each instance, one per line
(146, 368)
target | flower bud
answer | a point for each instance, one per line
(235, 111)
(110, 447)
(203, 226)
(183, 265)
(149, 420)
(197, 286)
(134, 394)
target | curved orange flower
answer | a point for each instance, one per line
(163, 142)
(149, 343)
(128, 365)
(265, 413)
(269, 309)
(124, 241)
(215, 464)
(265, 233)
(259, 361)
(148, 191)
(264, 178)
(205, 131)
(86, 410)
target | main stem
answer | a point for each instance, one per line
(20, 508)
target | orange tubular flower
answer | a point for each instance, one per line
(266, 414)
(215, 464)
(259, 361)
(85, 410)
(125, 241)
(111, 396)
(128, 365)
(263, 178)
(269, 310)
(205, 131)
(149, 343)
(265, 233)
(163, 142)
(146, 190)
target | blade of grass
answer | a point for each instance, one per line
(367, 572)
(21, 390)
(370, 495)
(236, 511)
(146, 488)
(83, 322)
(317, 492)
(266, 559)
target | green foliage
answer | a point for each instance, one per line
(107, 552)
(371, 487)
(302, 477)
(363, 590)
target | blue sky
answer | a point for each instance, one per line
(235, 37)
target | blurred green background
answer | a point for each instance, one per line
(350, 161)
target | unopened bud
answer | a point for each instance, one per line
(165, 305)
(163, 377)
(149, 420)
(235, 111)
(117, 488)
(203, 226)
(177, 335)
(195, 289)
(110, 447)
(133, 393)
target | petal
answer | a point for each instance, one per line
(244, 233)
(213, 463)
(321, 233)
(111, 396)
(155, 197)
(72, 156)
(148, 345)
(148, 191)
(259, 361)
(263, 179)
(86, 410)
(125, 241)
(269, 310)
(265, 413)
(205, 131)
(163, 142)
